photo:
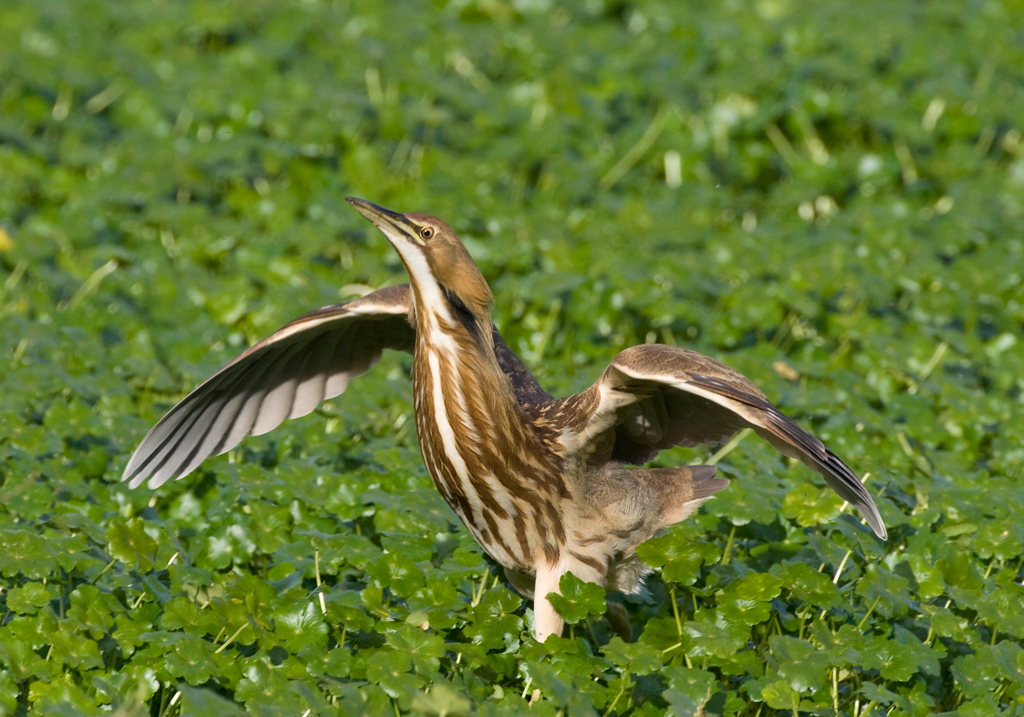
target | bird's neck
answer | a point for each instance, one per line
(483, 451)
(457, 337)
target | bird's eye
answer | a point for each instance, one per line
(427, 232)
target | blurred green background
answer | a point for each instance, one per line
(827, 196)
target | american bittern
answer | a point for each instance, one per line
(543, 484)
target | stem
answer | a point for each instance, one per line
(839, 570)
(316, 564)
(164, 706)
(637, 151)
(835, 689)
(675, 610)
(230, 639)
(104, 572)
(988, 570)
(868, 614)
(727, 448)
(728, 545)
(622, 691)
(940, 352)
(478, 594)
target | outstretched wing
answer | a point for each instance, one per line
(653, 397)
(284, 376)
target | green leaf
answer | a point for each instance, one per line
(958, 572)
(799, 663)
(269, 526)
(809, 505)
(232, 544)
(129, 543)
(28, 598)
(91, 610)
(189, 659)
(264, 686)
(680, 559)
(696, 685)
(180, 613)
(559, 692)
(713, 636)
(26, 553)
(346, 607)
(633, 657)
(886, 591)
(780, 695)
(996, 539)
(980, 707)
(20, 657)
(300, 624)
(395, 571)
(876, 693)
(64, 695)
(578, 599)
(131, 626)
(1002, 609)
(421, 646)
(743, 503)
(392, 671)
(202, 702)
(74, 650)
(748, 600)
(974, 675)
(680, 704)
(494, 624)
(442, 700)
(898, 659)
(9, 692)
(806, 584)
(339, 662)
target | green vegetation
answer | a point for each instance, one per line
(827, 196)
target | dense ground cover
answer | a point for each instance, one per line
(826, 196)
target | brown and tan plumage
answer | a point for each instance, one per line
(546, 486)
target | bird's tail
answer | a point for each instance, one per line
(684, 489)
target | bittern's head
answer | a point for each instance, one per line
(432, 253)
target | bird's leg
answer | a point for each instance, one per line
(618, 618)
(547, 620)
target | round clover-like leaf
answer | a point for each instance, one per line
(577, 599)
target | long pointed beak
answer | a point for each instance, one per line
(394, 225)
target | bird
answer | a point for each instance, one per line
(547, 486)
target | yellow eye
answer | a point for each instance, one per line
(427, 232)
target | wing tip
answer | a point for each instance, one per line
(869, 512)
(854, 492)
(136, 473)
